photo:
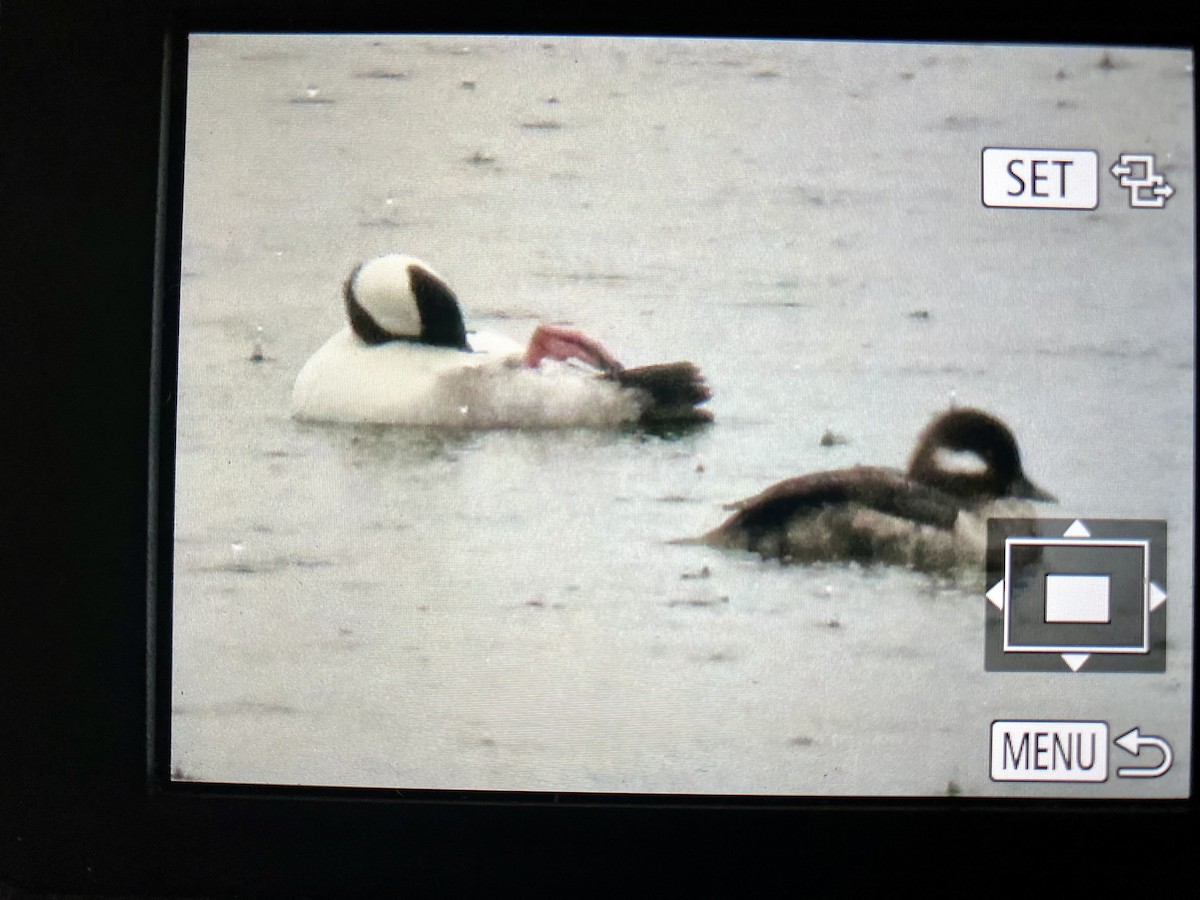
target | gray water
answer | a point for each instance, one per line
(502, 610)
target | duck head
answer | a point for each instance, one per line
(399, 298)
(998, 472)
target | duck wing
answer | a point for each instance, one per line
(886, 491)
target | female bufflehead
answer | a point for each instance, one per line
(406, 358)
(927, 518)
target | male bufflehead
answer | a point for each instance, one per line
(926, 518)
(406, 358)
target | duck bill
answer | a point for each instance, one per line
(1027, 490)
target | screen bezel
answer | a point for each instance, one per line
(99, 725)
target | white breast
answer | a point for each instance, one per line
(404, 383)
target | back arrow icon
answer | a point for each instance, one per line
(1133, 742)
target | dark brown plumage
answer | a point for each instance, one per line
(673, 391)
(880, 515)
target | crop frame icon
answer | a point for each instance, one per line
(1072, 595)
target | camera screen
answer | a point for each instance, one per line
(685, 417)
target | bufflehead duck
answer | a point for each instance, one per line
(929, 517)
(406, 358)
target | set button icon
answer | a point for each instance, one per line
(1042, 178)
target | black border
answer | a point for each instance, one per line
(84, 252)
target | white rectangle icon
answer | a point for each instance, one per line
(1049, 751)
(1077, 598)
(1025, 178)
(1013, 645)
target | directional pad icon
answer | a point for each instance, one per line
(1074, 595)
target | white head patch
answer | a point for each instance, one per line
(383, 289)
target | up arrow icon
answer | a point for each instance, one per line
(1132, 741)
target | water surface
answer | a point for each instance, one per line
(502, 610)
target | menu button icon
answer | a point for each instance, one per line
(1049, 751)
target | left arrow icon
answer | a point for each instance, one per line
(1133, 741)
